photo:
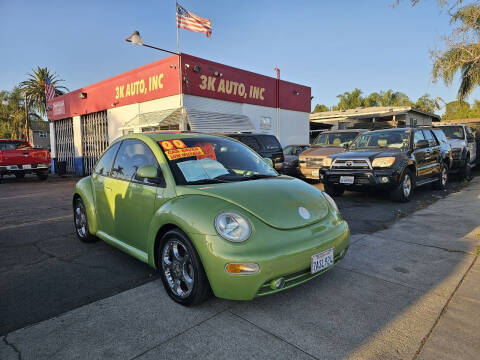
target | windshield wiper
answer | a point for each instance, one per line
(206, 181)
(257, 176)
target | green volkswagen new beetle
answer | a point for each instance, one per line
(210, 214)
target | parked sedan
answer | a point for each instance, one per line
(291, 153)
(209, 213)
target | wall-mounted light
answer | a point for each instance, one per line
(295, 92)
(197, 68)
(187, 66)
(219, 74)
(82, 95)
(173, 66)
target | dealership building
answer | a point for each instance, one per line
(175, 93)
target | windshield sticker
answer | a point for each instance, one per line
(175, 154)
(208, 150)
(194, 170)
(172, 144)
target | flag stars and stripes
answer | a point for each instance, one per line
(189, 21)
(49, 90)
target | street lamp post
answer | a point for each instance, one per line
(136, 39)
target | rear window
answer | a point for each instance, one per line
(270, 142)
(13, 145)
(250, 141)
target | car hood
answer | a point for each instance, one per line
(320, 152)
(275, 201)
(367, 153)
(457, 143)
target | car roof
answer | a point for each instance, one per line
(394, 129)
(169, 135)
(344, 131)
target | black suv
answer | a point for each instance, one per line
(397, 160)
(265, 145)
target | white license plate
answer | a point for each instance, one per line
(316, 173)
(26, 166)
(347, 179)
(322, 261)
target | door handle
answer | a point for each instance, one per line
(108, 188)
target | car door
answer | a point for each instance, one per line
(135, 200)
(420, 155)
(433, 155)
(102, 184)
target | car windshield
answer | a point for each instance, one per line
(335, 139)
(382, 139)
(206, 160)
(453, 132)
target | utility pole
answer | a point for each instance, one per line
(27, 132)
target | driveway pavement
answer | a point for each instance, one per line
(410, 291)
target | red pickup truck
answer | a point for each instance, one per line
(18, 157)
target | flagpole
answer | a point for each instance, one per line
(180, 72)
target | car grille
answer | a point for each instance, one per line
(456, 153)
(350, 164)
(314, 162)
(359, 179)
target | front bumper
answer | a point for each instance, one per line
(279, 253)
(385, 178)
(307, 172)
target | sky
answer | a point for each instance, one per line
(332, 46)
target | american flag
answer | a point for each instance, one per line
(49, 90)
(192, 22)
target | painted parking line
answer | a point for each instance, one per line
(36, 222)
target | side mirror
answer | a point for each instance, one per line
(268, 161)
(150, 172)
(346, 146)
(421, 144)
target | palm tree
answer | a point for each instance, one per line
(350, 100)
(462, 53)
(34, 87)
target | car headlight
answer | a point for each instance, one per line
(331, 201)
(327, 162)
(383, 162)
(232, 226)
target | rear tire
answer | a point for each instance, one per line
(334, 190)
(403, 191)
(181, 269)
(81, 222)
(441, 183)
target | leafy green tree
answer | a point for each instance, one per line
(457, 109)
(350, 100)
(320, 108)
(427, 103)
(34, 86)
(12, 114)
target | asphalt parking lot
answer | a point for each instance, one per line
(47, 272)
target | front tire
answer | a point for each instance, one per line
(81, 222)
(19, 175)
(441, 183)
(403, 191)
(465, 170)
(181, 269)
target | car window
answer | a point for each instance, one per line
(132, 155)
(269, 142)
(14, 145)
(418, 136)
(104, 165)
(429, 137)
(393, 139)
(440, 135)
(335, 139)
(289, 150)
(250, 141)
(453, 132)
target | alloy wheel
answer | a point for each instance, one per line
(407, 185)
(178, 268)
(444, 177)
(80, 219)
